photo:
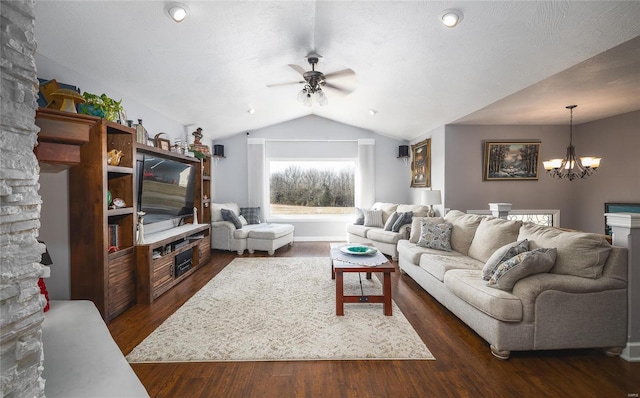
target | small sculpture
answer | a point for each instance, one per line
(140, 229)
(198, 136)
(114, 156)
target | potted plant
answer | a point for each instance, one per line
(101, 106)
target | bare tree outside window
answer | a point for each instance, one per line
(312, 187)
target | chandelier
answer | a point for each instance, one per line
(570, 167)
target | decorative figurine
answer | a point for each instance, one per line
(140, 229)
(114, 156)
(197, 146)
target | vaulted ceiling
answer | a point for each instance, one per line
(507, 62)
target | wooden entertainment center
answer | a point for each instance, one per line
(107, 267)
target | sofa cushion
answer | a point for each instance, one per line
(383, 236)
(492, 234)
(403, 219)
(392, 218)
(503, 254)
(359, 217)
(373, 218)
(524, 264)
(464, 228)
(358, 230)
(417, 210)
(469, 286)
(216, 215)
(416, 226)
(252, 214)
(579, 253)
(387, 209)
(229, 215)
(435, 236)
(439, 262)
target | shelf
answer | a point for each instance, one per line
(119, 170)
(120, 253)
(157, 151)
(119, 212)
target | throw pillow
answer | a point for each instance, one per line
(359, 217)
(251, 214)
(243, 220)
(229, 215)
(436, 236)
(503, 254)
(416, 226)
(524, 264)
(403, 218)
(392, 218)
(373, 218)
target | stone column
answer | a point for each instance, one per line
(625, 228)
(500, 210)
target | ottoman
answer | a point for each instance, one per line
(269, 237)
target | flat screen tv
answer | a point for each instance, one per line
(166, 188)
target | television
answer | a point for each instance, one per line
(166, 188)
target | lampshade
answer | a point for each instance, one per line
(431, 197)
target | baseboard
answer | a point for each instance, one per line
(340, 238)
(631, 353)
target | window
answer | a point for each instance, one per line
(311, 187)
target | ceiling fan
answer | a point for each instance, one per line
(314, 81)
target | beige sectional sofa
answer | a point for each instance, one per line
(260, 236)
(385, 241)
(580, 302)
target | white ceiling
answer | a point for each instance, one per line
(506, 63)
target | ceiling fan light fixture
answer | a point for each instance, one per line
(373, 112)
(451, 18)
(178, 12)
(320, 97)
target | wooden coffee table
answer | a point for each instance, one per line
(338, 268)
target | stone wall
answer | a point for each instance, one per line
(21, 303)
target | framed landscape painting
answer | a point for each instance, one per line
(511, 161)
(421, 164)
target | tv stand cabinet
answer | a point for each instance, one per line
(162, 261)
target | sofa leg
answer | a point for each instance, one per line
(271, 252)
(500, 354)
(612, 351)
(250, 251)
(240, 252)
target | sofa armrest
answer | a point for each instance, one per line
(405, 231)
(223, 226)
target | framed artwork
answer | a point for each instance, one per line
(505, 161)
(163, 144)
(421, 164)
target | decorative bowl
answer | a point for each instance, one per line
(358, 250)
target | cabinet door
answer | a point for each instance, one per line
(162, 276)
(121, 292)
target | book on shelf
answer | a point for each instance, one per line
(114, 240)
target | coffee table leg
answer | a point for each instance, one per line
(339, 293)
(387, 292)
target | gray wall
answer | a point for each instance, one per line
(581, 202)
(617, 141)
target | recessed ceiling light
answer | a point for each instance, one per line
(251, 111)
(177, 11)
(373, 112)
(450, 18)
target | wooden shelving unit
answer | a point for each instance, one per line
(102, 238)
(206, 190)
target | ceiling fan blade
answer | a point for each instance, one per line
(284, 84)
(341, 73)
(343, 90)
(297, 68)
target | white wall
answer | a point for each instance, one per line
(392, 176)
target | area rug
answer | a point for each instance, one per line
(266, 309)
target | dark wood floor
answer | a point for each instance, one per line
(464, 367)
